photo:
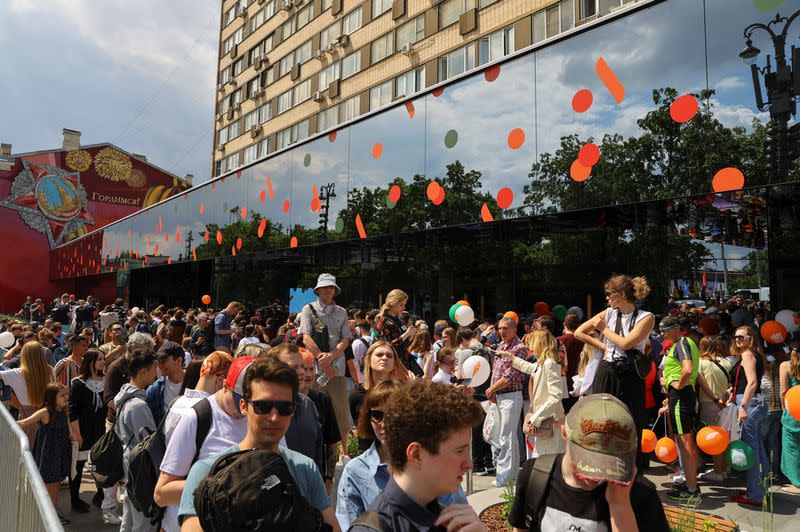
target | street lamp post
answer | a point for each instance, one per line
(783, 91)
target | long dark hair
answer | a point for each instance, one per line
(51, 392)
(87, 364)
(192, 376)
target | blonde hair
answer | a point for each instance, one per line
(543, 345)
(252, 350)
(794, 361)
(586, 354)
(754, 346)
(708, 348)
(399, 373)
(634, 289)
(392, 298)
(35, 372)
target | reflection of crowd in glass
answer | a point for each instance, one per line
(390, 398)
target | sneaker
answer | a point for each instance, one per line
(683, 494)
(744, 499)
(479, 471)
(680, 478)
(80, 506)
(110, 518)
(491, 470)
(494, 483)
(711, 476)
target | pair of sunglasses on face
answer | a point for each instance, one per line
(376, 416)
(264, 407)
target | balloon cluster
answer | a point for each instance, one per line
(462, 313)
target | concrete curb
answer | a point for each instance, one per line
(483, 499)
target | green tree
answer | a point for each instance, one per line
(754, 271)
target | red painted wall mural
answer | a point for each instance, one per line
(49, 198)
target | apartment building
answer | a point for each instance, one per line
(289, 69)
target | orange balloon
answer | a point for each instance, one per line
(793, 401)
(666, 450)
(648, 441)
(541, 308)
(462, 302)
(773, 332)
(712, 440)
(206, 299)
(513, 315)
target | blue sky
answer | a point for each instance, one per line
(137, 74)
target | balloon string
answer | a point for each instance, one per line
(656, 422)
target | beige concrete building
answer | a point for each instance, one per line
(291, 68)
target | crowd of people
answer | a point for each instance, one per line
(256, 407)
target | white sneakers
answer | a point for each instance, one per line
(711, 476)
(111, 518)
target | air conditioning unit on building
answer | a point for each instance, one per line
(318, 96)
(343, 40)
(407, 49)
(319, 54)
(221, 146)
(234, 51)
(219, 117)
(330, 48)
(264, 59)
(257, 63)
(243, 14)
(237, 107)
(287, 5)
(261, 93)
(230, 113)
(232, 82)
(255, 131)
(221, 87)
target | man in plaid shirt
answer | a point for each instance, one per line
(506, 391)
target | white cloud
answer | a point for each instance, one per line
(729, 82)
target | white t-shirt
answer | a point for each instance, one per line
(224, 432)
(611, 323)
(14, 378)
(179, 408)
(442, 377)
(171, 390)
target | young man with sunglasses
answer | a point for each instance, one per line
(228, 426)
(270, 388)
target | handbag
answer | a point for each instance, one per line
(491, 425)
(729, 416)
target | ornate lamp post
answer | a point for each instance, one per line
(783, 91)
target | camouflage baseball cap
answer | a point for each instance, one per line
(602, 439)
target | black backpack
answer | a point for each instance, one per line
(253, 490)
(105, 457)
(144, 463)
(537, 488)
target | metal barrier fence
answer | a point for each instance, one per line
(26, 503)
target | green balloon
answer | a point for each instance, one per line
(452, 312)
(389, 203)
(339, 225)
(739, 456)
(559, 311)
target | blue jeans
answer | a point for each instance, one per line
(771, 437)
(751, 435)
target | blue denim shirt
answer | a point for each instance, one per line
(363, 478)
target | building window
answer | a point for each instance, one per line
(382, 47)
(251, 119)
(304, 16)
(292, 134)
(302, 92)
(224, 105)
(328, 74)
(264, 113)
(588, 8)
(349, 109)
(225, 75)
(230, 16)
(450, 10)
(236, 38)
(236, 98)
(380, 95)
(262, 16)
(411, 32)
(351, 64)
(409, 83)
(238, 66)
(553, 20)
(218, 168)
(484, 3)
(328, 118)
(289, 27)
(352, 21)
(299, 55)
(263, 147)
(253, 86)
(231, 162)
(456, 62)
(250, 154)
(326, 4)
(285, 101)
(261, 48)
(496, 45)
(330, 34)
(379, 7)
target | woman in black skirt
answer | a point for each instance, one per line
(624, 329)
(87, 416)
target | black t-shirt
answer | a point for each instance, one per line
(327, 416)
(85, 313)
(741, 383)
(569, 509)
(60, 313)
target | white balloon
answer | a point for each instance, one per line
(475, 371)
(786, 318)
(134, 310)
(7, 339)
(465, 315)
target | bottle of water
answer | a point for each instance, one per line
(322, 376)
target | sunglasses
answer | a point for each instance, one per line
(264, 407)
(741, 337)
(376, 416)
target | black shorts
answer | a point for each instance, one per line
(682, 405)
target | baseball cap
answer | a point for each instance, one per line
(602, 439)
(665, 346)
(235, 378)
(669, 322)
(170, 349)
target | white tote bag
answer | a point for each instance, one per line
(491, 425)
(729, 420)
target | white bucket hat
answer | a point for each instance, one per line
(326, 279)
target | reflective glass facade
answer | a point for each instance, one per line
(500, 143)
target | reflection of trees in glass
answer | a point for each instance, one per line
(754, 274)
(666, 160)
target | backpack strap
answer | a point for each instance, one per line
(536, 490)
(371, 520)
(203, 410)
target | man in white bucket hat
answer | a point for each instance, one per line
(326, 334)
